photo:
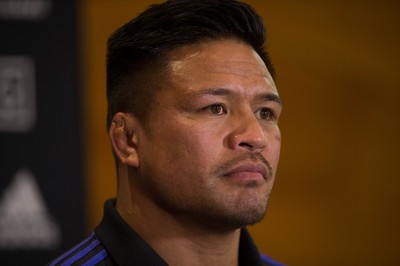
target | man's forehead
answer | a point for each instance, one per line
(224, 56)
(240, 68)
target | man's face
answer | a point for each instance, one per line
(210, 148)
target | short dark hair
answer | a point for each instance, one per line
(138, 50)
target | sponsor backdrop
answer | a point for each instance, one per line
(41, 199)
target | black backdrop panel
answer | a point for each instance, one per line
(41, 182)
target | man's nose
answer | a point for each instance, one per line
(247, 134)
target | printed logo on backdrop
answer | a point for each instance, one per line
(24, 9)
(25, 222)
(17, 94)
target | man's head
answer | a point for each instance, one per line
(196, 130)
(138, 51)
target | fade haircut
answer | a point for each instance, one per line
(138, 51)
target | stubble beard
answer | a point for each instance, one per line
(227, 211)
(249, 207)
(237, 214)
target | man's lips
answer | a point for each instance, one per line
(248, 171)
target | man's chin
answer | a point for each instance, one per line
(235, 220)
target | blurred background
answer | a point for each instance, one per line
(336, 196)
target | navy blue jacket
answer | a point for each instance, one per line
(115, 243)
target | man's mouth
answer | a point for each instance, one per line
(253, 171)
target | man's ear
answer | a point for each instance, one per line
(123, 136)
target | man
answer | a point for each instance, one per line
(193, 122)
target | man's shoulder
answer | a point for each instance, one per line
(267, 261)
(88, 252)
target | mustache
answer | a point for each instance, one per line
(229, 165)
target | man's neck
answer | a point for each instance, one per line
(179, 242)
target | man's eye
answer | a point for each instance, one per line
(265, 114)
(217, 109)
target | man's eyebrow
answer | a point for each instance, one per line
(270, 97)
(212, 91)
